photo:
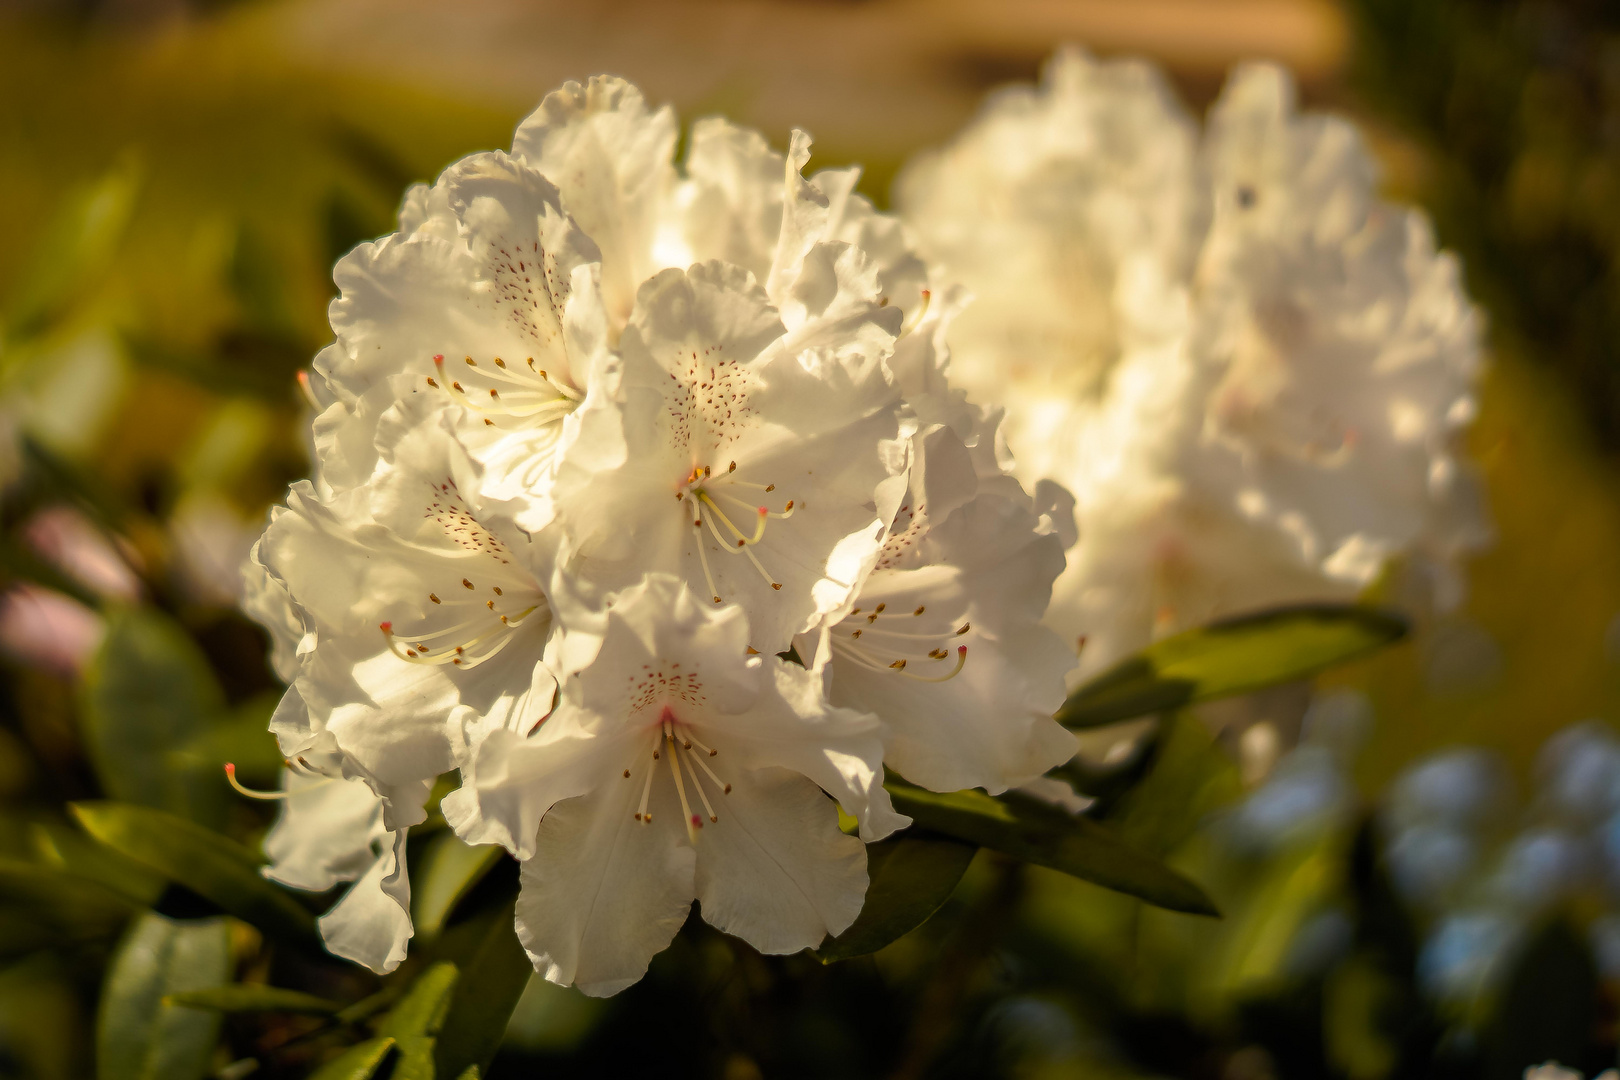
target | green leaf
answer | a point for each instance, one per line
(421, 1011)
(1232, 656)
(76, 250)
(71, 852)
(76, 906)
(911, 876)
(148, 696)
(359, 1062)
(138, 1035)
(416, 1021)
(495, 969)
(240, 998)
(447, 870)
(1048, 836)
(210, 865)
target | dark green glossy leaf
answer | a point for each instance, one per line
(148, 697)
(1047, 836)
(495, 969)
(1232, 656)
(359, 1062)
(210, 865)
(416, 1021)
(239, 998)
(140, 1036)
(443, 875)
(910, 876)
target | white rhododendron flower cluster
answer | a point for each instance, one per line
(1250, 371)
(641, 503)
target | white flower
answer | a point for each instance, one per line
(943, 640)
(1250, 371)
(731, 451)
(396, 614)
(331, 830)
(678, 765)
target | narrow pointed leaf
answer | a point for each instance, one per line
(1047, 836)
(447, 871)
(1232, 656)
(495, 970)
(249, 999)
(359, 1062)
(910, 876)
(421, 1011)
(139, 1035)
(210, 865)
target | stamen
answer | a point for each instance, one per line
(725, 788)
(703, 558)
(698, 787)
(646, 787)
(267, 796)
(693, 822)
(699, 744)
(308, 390)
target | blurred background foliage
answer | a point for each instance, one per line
(176, 180)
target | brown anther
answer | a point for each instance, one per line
(752, 651)
(788, 507)
(494, 393)
(770, 487)
(456, 385)
(432, 383)
(435, 598)
(456, 661)
(497, 591)
(410, 652)
(919, 610)
(471, 362)
(530, 361)
(627, 776)
(899, 665)
(879, 609)
(717, 599)
(742, 543)
(466, 584)
(856, 633)
(965, 628)
(655, 755)
(726, 790)
(777, 585)
(488, 422)
(732, 468)
(490, 604)
(499, 362)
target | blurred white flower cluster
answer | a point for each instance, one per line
(1249, 370)
(641, 501)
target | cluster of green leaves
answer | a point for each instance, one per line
(181, 885)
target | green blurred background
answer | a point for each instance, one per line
(176, 180)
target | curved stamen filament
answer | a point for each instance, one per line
(268, 796)
(416, 652)
(782, 514)
(851, 652)
(759, 525)
(497, 405)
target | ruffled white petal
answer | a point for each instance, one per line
(775, 870)
(604, 893)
